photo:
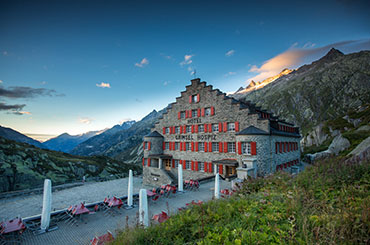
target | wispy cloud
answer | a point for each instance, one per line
(1, 81)
(20, 113)
(124, 120)
(230, 53)
(142, 63)
(85, 120)
(294, 56)
(165, 83)
(6, 107)
(103, 85)
(168, 57)
(5, 53)
(187, 59)
(26, 92)
(230, 73)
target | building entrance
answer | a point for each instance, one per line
(167, 163)
(230, 171)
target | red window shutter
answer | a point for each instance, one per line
(220, 147)
(144, 145)
(225, 127)
(280, 147)
(206, 167)
(203, 112)
(198, 98)
(186, 113)
(196, 166)
(164, 145)
(220, 127)
(180, 146)
(190, 99)
(210, 128)
(184, 146)
(221, 169)
(149, 160)
(170, 146)
(205, 146)
(212, 111)
(196, 146)
(149, 146)
(198, 112)
(190, 114)
(183, 164)
(284, 146)
(210, 147)
(173, 163)
(192, 128)
(164, 130)
(184, 129)
(210, 167)
(192, 165)
(179, 115)
(205, 128)
(180, 129)
(143, 161)
(253, 148)
(236, 126)
(192, 146)
(196, 128)
(225, 147)
(239, 148)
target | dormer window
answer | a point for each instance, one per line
(194, 98)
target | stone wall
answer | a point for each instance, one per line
(155, 177)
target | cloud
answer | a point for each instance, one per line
(293, 57)
(1, 81)
(124, 120)
(142, 63)
(5, 53)
(43, 83)
(230, 53)
(26, 92)
(230, 73)
(5, 107)
(85, 120)
(20, 113)
(187, 59)
(168, 57)
(165, 83)
(103, 85)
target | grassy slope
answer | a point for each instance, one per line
(327, 204)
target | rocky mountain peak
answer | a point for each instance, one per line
(332, 55)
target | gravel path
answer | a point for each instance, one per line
(90, 192)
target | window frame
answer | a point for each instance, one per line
(201, 128)
(187, 165)
(231, 147)
(231, 127)
(188, 128)
(215, 127)
(201, 166)
(201, 146)
(246, 148)
(215, 147)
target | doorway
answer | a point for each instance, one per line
(167, 163)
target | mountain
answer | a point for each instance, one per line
(11, 134)
(26, 166)
(66, 142)
(124, 144)
(258, 85)
(323, 90)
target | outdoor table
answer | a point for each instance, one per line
(80, 209)
(12, 226)
(115, 202)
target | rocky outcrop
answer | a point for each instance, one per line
(361, 148)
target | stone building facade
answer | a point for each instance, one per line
(207, 131)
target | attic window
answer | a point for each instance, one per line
(194, 98)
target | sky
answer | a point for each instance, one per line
(77, 66)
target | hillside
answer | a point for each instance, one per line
(328, 203)
(25, 166)
(122, 144)
(11, 134)
(314, 93)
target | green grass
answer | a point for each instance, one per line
(328, 203)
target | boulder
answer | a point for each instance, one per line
(339, 144)
(362, 147)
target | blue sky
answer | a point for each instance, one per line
(87, 65)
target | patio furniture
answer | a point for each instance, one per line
(162, 217)
(108, 237)
(111, 204)
(11, 230)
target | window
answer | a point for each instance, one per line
(177, 130)
(176, 163)
(215, 146)
(188, 129)
(194, 98)
(246, 148)
(167, 130)
(167, 146)
(207, 111)
(188, 146)
(176, 146)
(182, 114)
(201, 166)
(215, 127)
(187, 165)
(231, 147)
(194, 113)
(200, 128)
(201, 146)
(231, 127)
